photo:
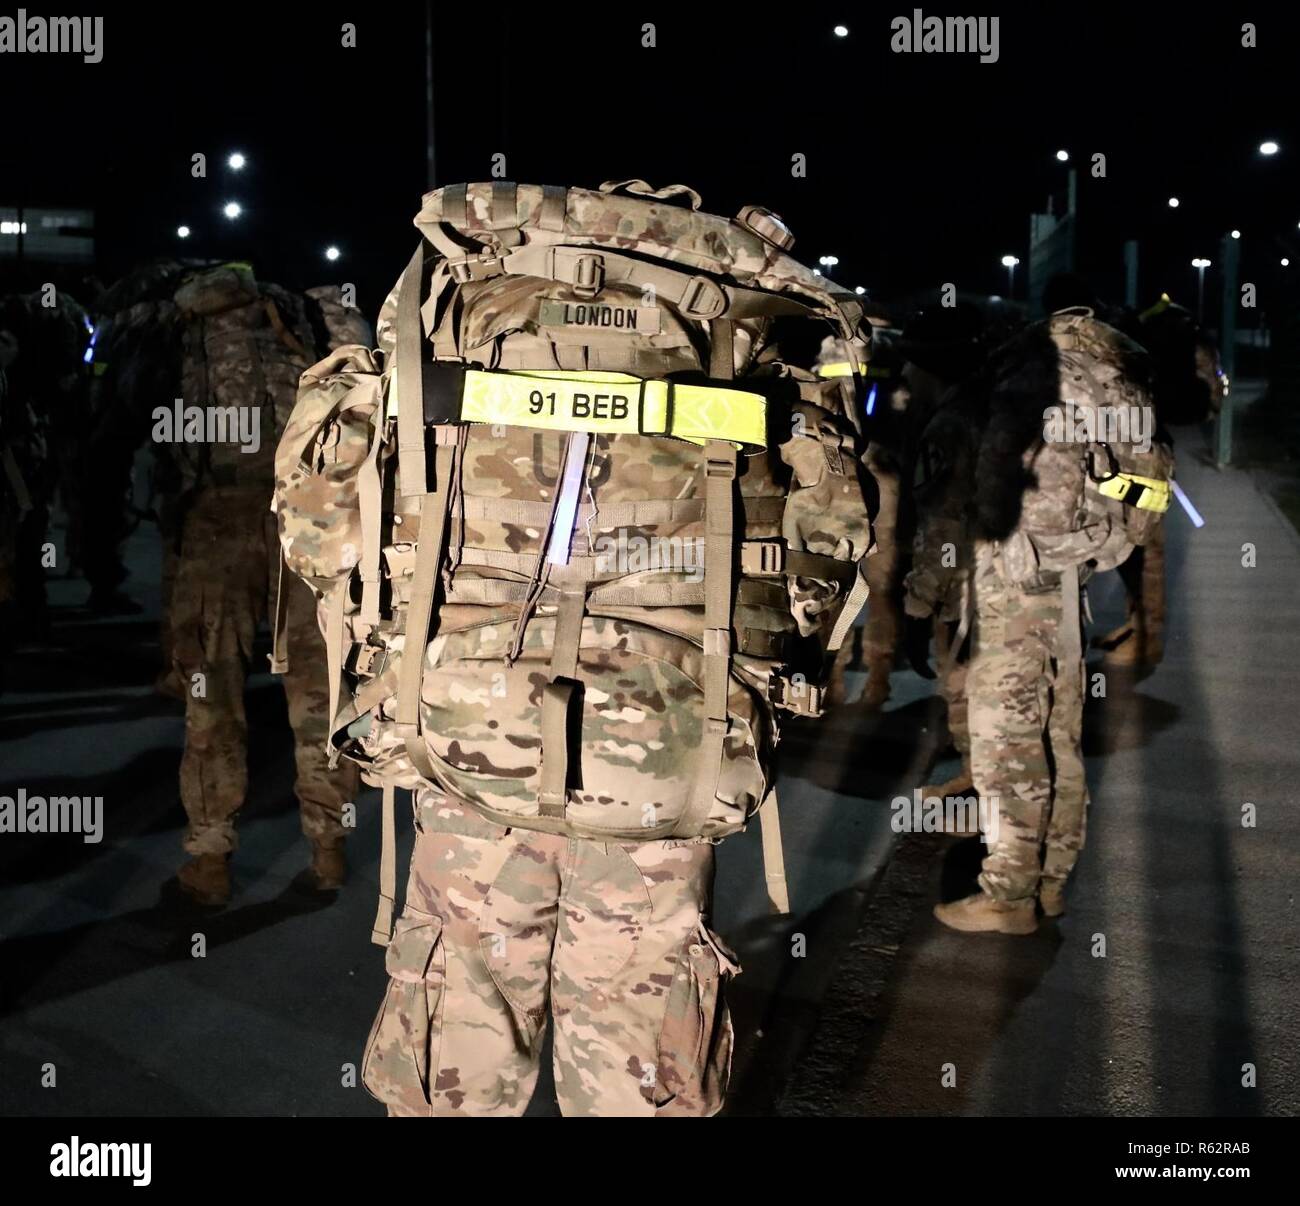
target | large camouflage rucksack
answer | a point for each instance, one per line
(244, 347)
(579, 483)
(1096, 485)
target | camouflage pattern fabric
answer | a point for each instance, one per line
(1026, 725)
(225, 585)
(502, 924)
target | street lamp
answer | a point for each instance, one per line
(1063, 156)
(1173, 202)
(232, 210)
(1268, 148)
(828, 262)
(1009, 262)
(1236, 234)
(841, 31)
(182, 232)
(1200, 265)
(332, 253)
(859, 290)
(236, 161)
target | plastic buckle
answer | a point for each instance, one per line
(762, 557)
(588, 275)
(804, 699)
(366, 657)
(703, 299)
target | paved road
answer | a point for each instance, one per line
(850, 1005)
(1200, 974)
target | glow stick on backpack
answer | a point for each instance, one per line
(1192, 513)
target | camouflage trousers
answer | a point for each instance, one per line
(225, 585)
(1026, 726)
(502, 926)
(952, 686)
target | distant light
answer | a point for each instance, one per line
(1268, 148)
(828, 260)
(817, 272)
(841, 31)
(859, 290)
(1173, 202)
(1285, 262)
(182, 232)
(13, 228)
(1009, 261)
(233, 209)
(332, 253)
(1063, 156)
(994, 297)
(1236, 234)
(1200, 263)
(236, 161)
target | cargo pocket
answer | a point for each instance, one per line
(401, 1060)
(696, 1039)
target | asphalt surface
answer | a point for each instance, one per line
(1171, 985)
(850, 1005)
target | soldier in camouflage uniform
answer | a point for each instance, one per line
(245, 345)
(1026, 676)
(502, 924)
(943, 355)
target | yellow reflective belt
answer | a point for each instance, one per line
(611, 403)
(841, 368)
(1154, 498)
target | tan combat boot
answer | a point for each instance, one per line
(205, 879)
(980, 914)
(329, 867)
(1051, 897)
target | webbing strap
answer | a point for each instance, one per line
(555, 199)
(371, 505)
(695, 295)
(411, 449)
(280, 625)
(419, 610)
(382, 931)
(1145, 493)
(720, 478)
(842, 368)
(334, 616)
(722, 349)
(853, 605)
(552, 795)
(585, 400)
(769, 819)
(504, 207)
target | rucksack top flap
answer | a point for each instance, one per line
(473, 220)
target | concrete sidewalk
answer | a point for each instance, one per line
(1173, 978)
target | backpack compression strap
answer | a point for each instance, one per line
(602, 402)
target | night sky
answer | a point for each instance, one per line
(921, 168)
